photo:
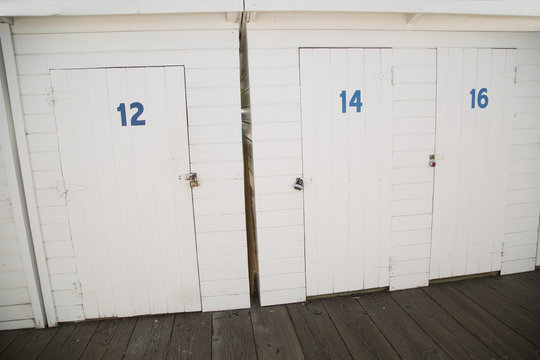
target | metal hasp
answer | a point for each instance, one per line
(192, 177)
(299, 184)
(432, 161)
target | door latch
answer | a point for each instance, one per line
(299, 184)
(193, 181)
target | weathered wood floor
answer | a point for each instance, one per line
(487, 318)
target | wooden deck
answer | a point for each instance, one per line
(485, 318)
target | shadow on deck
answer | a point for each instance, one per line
(485, 318)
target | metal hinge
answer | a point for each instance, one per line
(77, 288)
(54, 96)
(62, 189)
(50, 96)
(391, 261)
(388, 75)
(510, 74)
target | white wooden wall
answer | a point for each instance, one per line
(15, 305)
(276, 133)
(20, 303)
(521, 231)
(108, 7)
(413, 130)
(209, 51)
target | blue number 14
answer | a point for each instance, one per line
(354, 102)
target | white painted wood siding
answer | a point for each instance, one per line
(413, 130)
(212, 78)
(472, 174)
(505, 7)
(108, 7)
(347, 163)
(15, 304)
(520, 247)
(273, 44)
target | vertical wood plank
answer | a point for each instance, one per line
(150, 338)
(109, 339)
(143, 190)
(372, 166)
(308, 148)
(129, 217)
(93, 245)
(360, 334)
(317, 335)
(105, 119)
(486, 327)
(323, 155)
(70, 341)
(521, 321)
(357, 175)
(191, 336)
(6, 337)
(165, 253)
(457, 342)
(29, 344)
(385, 179)
(232, 335)
(406, 337)
(178, 130)
(274, 333)
(339, 171)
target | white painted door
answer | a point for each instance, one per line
(123, 142)
(347, 159)
(474, 121)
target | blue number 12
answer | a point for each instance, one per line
(354, 102)
(135, 118)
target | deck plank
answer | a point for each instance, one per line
(274, 333)
(409, 340)
(70, 341)
(317, 334)
(497, 336)
(517, 292)
(191, 337)
(110, 339)
(358, 331)
(29, 344)
(6, 337)
(447, 333)
(518, 319)
(150, 338)
(232, 335)
(529, 279)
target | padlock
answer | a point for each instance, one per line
(299, 184)
(192, 177)
(432, 161)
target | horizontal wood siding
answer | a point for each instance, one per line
(276, 134)
(520, 243)
(413, 130)
(15, 305)
(211, 63)
(277, 157)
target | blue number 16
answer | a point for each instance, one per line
(354, 102)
